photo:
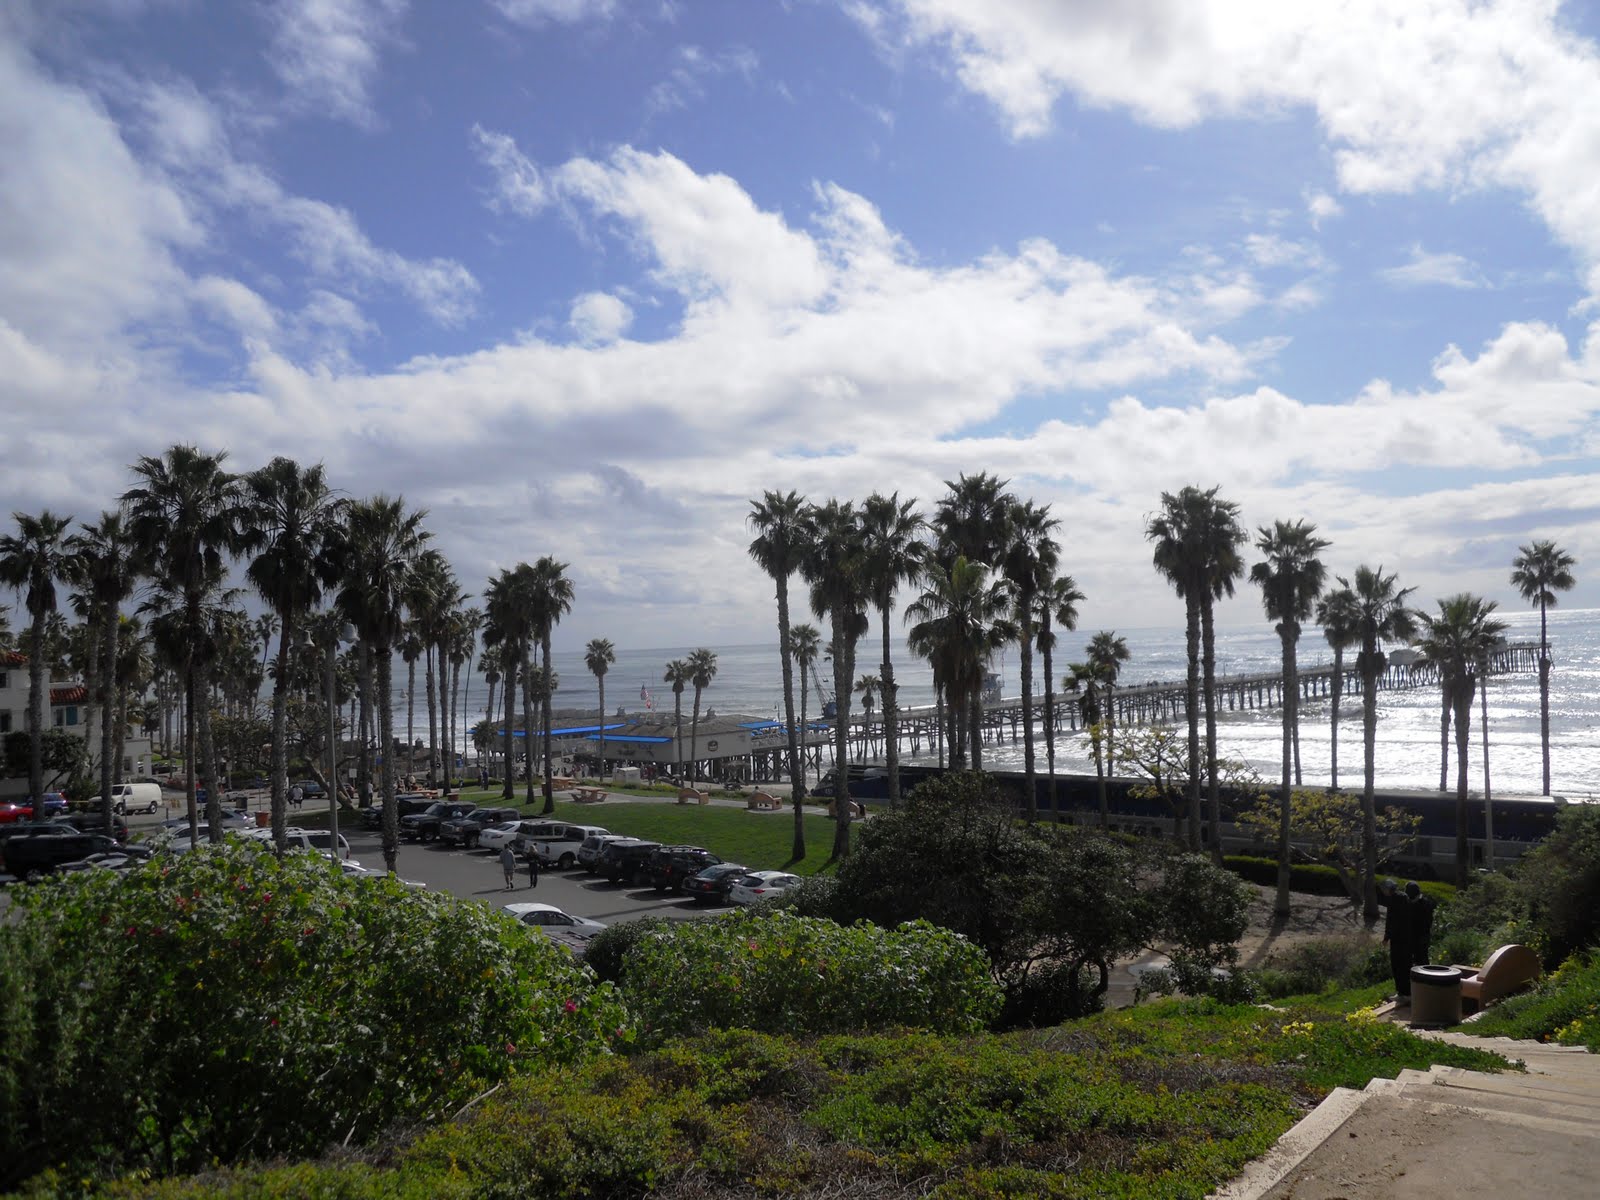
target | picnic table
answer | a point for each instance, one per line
(588, 795)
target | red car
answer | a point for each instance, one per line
(54, 802)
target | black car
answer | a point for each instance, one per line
(33, 858)
(625, 860)
(711, 885)
(671, 865)
(425, 824)
(93, 822)
(464, 831)
(372, 818)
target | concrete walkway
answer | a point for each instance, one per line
(1446, 1132)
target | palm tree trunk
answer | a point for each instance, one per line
(433, 720)
(1369, 813)
(677, 731)
(36, 727)
(280, 741)
(1029, 768)
(508, 684)
(364, 695)
(1049, 717)
(841, 733)
(1444, 736)
(1192, 700)
(1463, 736)
(1099, 761)
(797, 773)
(547, 687)
(694, 735)
(188, 755)
(391, 818)
(1213, 791)
(411, 710)
(601, 680)
(108, 710)
(1488, 808)
(208, 754)
(1338, 690)
(891, 713)
(1544, 693)
(1280, 906)
(529, 742)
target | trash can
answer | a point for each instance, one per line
(1435, 996)
(264, 818)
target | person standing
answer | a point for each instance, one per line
(297, 797)
(1422, 907)
(533, 868)
(508, 864)
(1397, 936)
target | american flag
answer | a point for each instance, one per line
(644, 695)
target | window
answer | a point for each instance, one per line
(5, 714)
(4, 681)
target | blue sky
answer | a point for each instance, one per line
(583, 276)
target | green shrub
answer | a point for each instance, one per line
(608, 951)
(229, 1004)
(1322, 964)
(1559, 881)
(779, 973)
(1562, 1007)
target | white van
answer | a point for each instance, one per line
(135, 797)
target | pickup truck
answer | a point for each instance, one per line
(424, 826)
(464, 830)
(33, 858)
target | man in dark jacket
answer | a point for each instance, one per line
(1397, 936)
(1422, 907)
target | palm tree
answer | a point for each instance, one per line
(1082, 679)
(431, 595)
(869, 687)
(959, 620)
(1197, 538)
(378, 543)
(598, 656)
(1457, 642)
(31, 560)
(1337, 614)
(893, 555)
(184, 516)
(507, 631)
(1381, 616)
(702, 670)
(804, 644)
(1057, 604)
(679, 673)
(105, 568)
(781, 522)
(266, 628)
(1541, 570)
(973, 519)
(410, 650)
(1290, 579)
(1106, 653)
(550, 595)
(1029, 561)
(290, 514)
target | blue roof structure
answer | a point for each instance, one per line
(570, 731)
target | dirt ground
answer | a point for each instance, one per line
(1309, 917)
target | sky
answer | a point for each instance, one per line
(584, 277)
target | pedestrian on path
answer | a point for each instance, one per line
(508, 864)
(533, 868)
(1422, 906)
(1397, 936)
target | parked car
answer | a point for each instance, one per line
(560, 849)
(372, 818)
(93, 822)
(134, 797)
(356, 871)
(465, 830)
(498, 837)
(624, 860)
(589, 849)
(32, 858)
(54, 802)
(309, 788)
(124, 858)
(711, 885)
(669, 866)
(758, 885)
(319, 840)
(425, 825)
(548, 916)
(557, 833)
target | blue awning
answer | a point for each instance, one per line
(570, 731)
(759, 725)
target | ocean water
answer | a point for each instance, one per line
(748, 681)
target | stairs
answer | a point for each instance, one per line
(1446, 1132)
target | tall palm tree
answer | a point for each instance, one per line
(973, 519)
(678, 675)
(31, 560)
(106, 569)
(1337, 614)
(184, 515)
(431, 595)
(1290, 578)
(551, 596)
(410, 650)
(1106, 653)
(894, 555)
(507, 632)
(1541, 569)
(1029, 560)
(598, 656)
(804, 644)
(378, 543)
(1197, 538)
(1457, 642)
(266, 628)
(290, 515)
(869, 688)
(1083, 679)
(782, 524)
(1057, 605)
(959, 620)
(1381, 616)
(702, 670)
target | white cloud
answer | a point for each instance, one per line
(564, 12)
(1426, 269)
(599, 317)
(327, 52)
(1322, 207)
(519, 185)
(692, 67)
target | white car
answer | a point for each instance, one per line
(550, 919)
(759, 885)
(303, 839)
(356, 871)
(498, 837)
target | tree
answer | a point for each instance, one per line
(959, 620)
(804, 644)
(1457, 642)
(1381, 616)
(1057, 604)
(184, 515)
(1540, 570)
(550, 595)
(598, 656)
(378, 543)
(702, 670)
(508, 630)
(1290, 578)
(432, 593)
(973, 518)
(782, 523)
(1327, 828)
(869, 687)
(1081, 680)
(1337, 614)
(678, 675)
(104, 566)
(1106, 653)
(1029, 562)
(410, 650)
(893, 555)
(289, 517)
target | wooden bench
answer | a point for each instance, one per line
(588, 795)
(693, 796)
(1509, 969)
(764, 802)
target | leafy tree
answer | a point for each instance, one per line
(1560, 883)
(1327, 828)
(598, 656)
(62, 755)
(1539, 571)
(32, 560)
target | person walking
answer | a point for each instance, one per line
(297, 797)
(1422, 907)
(533, 868)
(508, 864)
(1397, 936)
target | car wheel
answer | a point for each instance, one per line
(471, 843)
(566, 862)
(119, 808)
(659, 885)
(151, 811)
